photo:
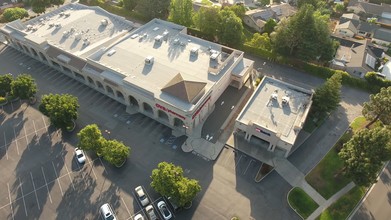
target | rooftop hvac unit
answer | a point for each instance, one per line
(149, 60)
(58, 25)
(285, 100)
(111, 53)
(35, 28)
(65, 33)
(104, 22)
(86, 42)
(194, 51)
(176, 41)
(159, 38)
(29, 27)
(61, 13)
(77, 36)
(274, 96)
(51, 25)
(67, 14)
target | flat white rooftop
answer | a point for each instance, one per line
(266, 109)
(74, 28)
(171, 52)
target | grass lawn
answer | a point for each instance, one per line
(343, 206)
(302, 202)
(327, 177)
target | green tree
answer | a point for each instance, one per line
(5, 84)
(187, 189)
(57, 2)
(130, 4)
(11, 14)
(230, 30)
(24, 86)
(115, 152)
(239, 10)
(154, 8)
(61, 109)
(327, 97)
(270, 25)
(365, 153)
(181, 12)
(207, 20)
(168, 180)
(378, 107)
(304, 35)
(340, 8)
(261, 41)
(90, 138)
(39, 6)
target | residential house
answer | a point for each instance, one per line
(257, 18)
(350, 25)
(357, 57)
(382, 36)
(370, 10)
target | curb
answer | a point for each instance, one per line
(287, 199)
(366, 194)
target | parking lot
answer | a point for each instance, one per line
(45, 182)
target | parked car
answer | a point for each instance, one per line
(141, 195)
(107, 212)
(138, 217)
(150, 212)
(164, 210)
(80, 156)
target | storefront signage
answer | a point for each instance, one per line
(263, 132)
(169, 111)
(198, 111)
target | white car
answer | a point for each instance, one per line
(81, 158)
(164, 210)
(151, 212)
(141, 195)
(107, 212)
(138, 217)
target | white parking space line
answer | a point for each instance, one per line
(35, 129)
(9, 195)
(103, 165)
(25, 136)
(241, 156)
(92, 167)
(5, 144)
(245, 171)
(46, 183)
(126, 206)
(46, 127)
(229, 156)
(69, 174)
(21, 189)
(35, 191)
(16, 142)
(58, 180)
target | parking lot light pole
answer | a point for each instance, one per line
(108, 133)
(185, 127)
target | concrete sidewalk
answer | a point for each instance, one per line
(330, 201)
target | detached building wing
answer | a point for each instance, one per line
(182, 89)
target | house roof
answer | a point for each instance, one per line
(347, 25)
(352, 52)
(382, 34)
(375, 51)
(367, 27)
(350, 16)
(370, 8)
(275, 11)
(183, 89)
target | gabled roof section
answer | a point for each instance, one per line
(382, 34)
(183, 89)
(348, 25)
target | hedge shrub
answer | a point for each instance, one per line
(12, 14)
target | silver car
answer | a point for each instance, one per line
(151, 212)
(107, 212)
(164, 210)
(141, 195)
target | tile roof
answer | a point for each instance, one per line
(183, 89)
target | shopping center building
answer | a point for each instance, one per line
(274, 115)
(156, 69)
